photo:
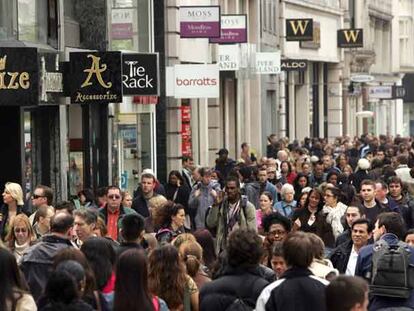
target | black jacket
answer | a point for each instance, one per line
(183, 194)
(297, 290)
(37, 261)
(4, 212)
(234, 283)
(340, 256)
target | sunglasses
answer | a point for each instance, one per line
(36, 196)
(18, 230)
(114, 197)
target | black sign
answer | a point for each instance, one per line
(294, 64)
(299, 29)
(398, 91)
(140, 74)
(19, 77)
(350, 38)
(95, 77)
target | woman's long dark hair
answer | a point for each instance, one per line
(167, 278)
(166, 212)
(206, 240)
(11, 280)
(131, 286)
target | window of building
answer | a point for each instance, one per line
(8, 20)
(406, 42)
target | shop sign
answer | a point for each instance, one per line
(186, 129)
(268, 63)
(140, 74)
(315, 43)
(193, 81)
(228, 57)
(380, 92)
(95, 77)
(362, 78)
(350, 38)
(299, 29)
(19, 77)
(398, 92)
(294, 64)
(122, 22)
(200, 21)
(233, 29)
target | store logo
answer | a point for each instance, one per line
(12, 80)
(137, 77)
(350, 38)
(299, 29)
(205, 81)
(97, 70)
(294, 65)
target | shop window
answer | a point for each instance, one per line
(8, 20)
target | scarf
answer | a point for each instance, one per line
(334, 216)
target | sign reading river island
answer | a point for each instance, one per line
(200, 21)
(95, 77)
(233, 29)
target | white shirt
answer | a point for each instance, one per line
(350, 268)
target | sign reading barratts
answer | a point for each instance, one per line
(140, 74)
(200, 21)
(95, 77)
(233, 29)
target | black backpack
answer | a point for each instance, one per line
(239, 304)
(391, 274)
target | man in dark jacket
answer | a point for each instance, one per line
(241, 280)
(132, 233)
(297, 289)
(37, 261)
(390, 228)
(143, 194)
(344, 257)
(224, 164)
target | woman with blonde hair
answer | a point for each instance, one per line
(20, 236)
(13, 206)
(192, 254)
(154, 205)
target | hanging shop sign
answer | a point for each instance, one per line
(140, 74)
(200, 21)
(398, 92)
(233, 29)
(19, 77)
(380, 92)
(122, 23)
(193, 81)
(95, 77)
(350, 38)
(268, 63)
(186, 141)
(294, 65)
(362, 78)
(228, 57)
(315, 43)
(299, 29)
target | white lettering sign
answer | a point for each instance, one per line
(228, 57)
(268, 63)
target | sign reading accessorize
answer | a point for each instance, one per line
(140, 74)
(268, 63)
(200, 21)
(19, 77)
(299, 29)
(194, 81)
(350, 38)
(95, 77)
(233, 29)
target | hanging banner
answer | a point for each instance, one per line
(233, 29)
(350, 38)
(95, 77)
(140, 74)
(380, 92)
(200, 21)
(299, 29)
(294, 64)
(268, 63)
(186, 142)
(228, 57)
(193, 81)
(19, 77)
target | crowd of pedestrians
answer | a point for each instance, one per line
(310, 226)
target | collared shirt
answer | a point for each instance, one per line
(350, 268)
(112, 223)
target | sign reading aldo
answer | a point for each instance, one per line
(350, 38)
(294, 64)
(299, 29)
(19, 77)
(95, 77)
(140, 74)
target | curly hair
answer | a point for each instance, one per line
(192, 255)
(244, 248)
(167, 278)
(183, 238)
(276, 218)
(166, 212)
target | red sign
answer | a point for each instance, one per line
(186, 144)
(145, 100)
(185, 113)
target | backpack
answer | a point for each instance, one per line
(392, 274)
(239, 304)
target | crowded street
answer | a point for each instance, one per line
(206, 155)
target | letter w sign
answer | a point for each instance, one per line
(299, 29)
(350, 38)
